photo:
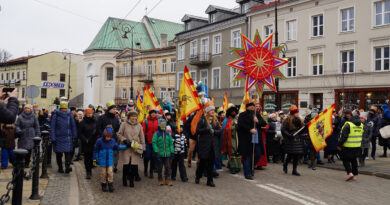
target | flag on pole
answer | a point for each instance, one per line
(243, 107)
(321, 128)
(150, 101)
(188, 97)
(140, 108)
(212, 99)
(225, 103)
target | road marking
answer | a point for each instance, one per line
(306, 200)
(292, 197)
(297, 194)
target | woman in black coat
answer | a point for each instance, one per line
(208, 130)
(294, 145)
(88, 135)
(333, 139)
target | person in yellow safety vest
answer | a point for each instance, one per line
(350, 143)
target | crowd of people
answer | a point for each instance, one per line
(109, 137)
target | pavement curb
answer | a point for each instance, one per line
(363, 172)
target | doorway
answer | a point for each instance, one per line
(318, 101)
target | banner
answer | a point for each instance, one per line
(321, 128)
(225, 103)
(47, 84)
(150, 101)
(140, 108)
(188, 97)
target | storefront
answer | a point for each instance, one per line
(362, 98)
(285, 100)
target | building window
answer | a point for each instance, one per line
(124, 93)
(217, 40)
(382, 13)
(204, 49)
(292, 67)
(2, 76)
(150, 65)
(347, 19)
(179, 79)
(12, 76)
(292, 30)
(163, 93)
(44, 92)
(193, 75)
(7, 76)
(18, 75)
(164, 65)
(171, 92)
(62, 92)
(155, 66)
(216, 76)
(318, 25)
(173, 65)
(382, 59)
(109, 74)
(213, 17)
(124, 68)
(23, 92)
(181, 52)
(348, 61)
(62, 77)
(268, 30)
(193, 48)
(24, 75)
(204, 76)
(236, 38)
(233, 73)
(44, 76)
(317, 62)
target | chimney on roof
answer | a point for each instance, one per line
(163, 40)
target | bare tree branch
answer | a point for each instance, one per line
(4, 55)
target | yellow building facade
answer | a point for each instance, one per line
(155, 67)
(49, 72)
(13, 74)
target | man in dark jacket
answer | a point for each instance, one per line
(9, 108)
(350, 145)
(373, 119)
(109, 118)
(246, 127)
(88, 137)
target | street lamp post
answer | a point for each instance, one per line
(276, 44)
(65, 53)
(128, 29)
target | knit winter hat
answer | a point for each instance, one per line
(88, 111)
(208, 107)
(356, 113)
(373, 109)
(110, 105)
(293, 109)
(108, 132)
(162, 124)
(28, 106)
(132, 113)
(64, 105)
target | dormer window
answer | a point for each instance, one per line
(213, 17)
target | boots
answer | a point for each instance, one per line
(104, 187)
(210, 183)
(295, 172)
(285, 167)
(125, 173)
(160, 181)
(168, 181)
(111, 187)
(68, 169)
(88, 175)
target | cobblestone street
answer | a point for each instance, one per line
(271, 186)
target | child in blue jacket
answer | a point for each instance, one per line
(104, 157)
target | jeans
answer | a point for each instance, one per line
(149, 156)
(218, 163)
(347, 165)
(7, 154)
(68, 159)
(247, 166)
(163, 161)
(178, 160)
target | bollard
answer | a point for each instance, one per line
(17, 192)
(45, 146)
(35, 177)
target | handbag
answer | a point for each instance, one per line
(385, 132)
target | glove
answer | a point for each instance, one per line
(135, 145)
(127, 143)
(94, 162)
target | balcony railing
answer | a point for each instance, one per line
(120, 101)
(148, 78)
(120, 72)
(202, 59)
(9, 82)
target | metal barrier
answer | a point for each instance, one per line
(35, 170)
(45, 150)
(16, 184)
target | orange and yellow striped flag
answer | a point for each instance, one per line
(150, 101)
(140, 108)
(321, 128)
(225, 103)
(243, 107)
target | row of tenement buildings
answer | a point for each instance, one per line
(338, 52)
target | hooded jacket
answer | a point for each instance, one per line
(346, 130)
(150, 126)
(108, 119)
(87, 132)
(163, 143)
(27, 127)
(63, 131)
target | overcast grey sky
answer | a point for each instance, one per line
(38, 26)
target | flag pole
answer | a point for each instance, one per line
(253, 144)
